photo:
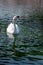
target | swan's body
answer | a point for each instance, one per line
(13, 28)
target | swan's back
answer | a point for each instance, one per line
(17, 29)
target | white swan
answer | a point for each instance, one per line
(13, 27)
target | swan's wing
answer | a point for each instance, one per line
(10, 28)
(17, 29)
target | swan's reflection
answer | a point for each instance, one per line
(11, 38)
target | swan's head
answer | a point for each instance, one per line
(15, 18)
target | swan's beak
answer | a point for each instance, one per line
(18, 16)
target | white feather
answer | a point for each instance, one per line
(13, 29)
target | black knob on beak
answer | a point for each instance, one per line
(17, 16)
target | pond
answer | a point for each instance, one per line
(26, 48)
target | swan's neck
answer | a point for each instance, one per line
(13, 21)
(14, 24)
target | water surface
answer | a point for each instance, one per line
(25, 48)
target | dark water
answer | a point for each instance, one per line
(25, 48)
